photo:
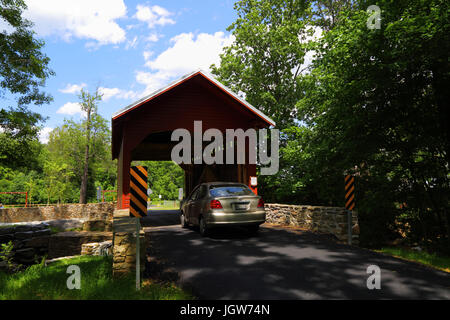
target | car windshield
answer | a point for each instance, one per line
(225, 191)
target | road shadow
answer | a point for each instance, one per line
(159, 218)
(286, 264)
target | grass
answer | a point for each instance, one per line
(431, 260)
(39, 282)
(4, 227)
(55, 230)
(161, 206)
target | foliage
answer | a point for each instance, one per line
(379, 112)
(266, 58)
(66, 148)
(59, 166)
(39, 282)
(23, 70)
(373, 103)
(165, 178)
(23, 67)
(89, 106)
(433, 260)
(6, 253)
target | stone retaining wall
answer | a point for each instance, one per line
(30, 242)
(329, 220)
(70, 243)
(90, 211)
(97, 248)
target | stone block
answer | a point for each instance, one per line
(25, 255)
(42, 233)
(5, 238)
(331, 220)
(23, 235)
(6, 230)
(38, 242)
(23, 228)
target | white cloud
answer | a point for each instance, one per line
(44, 134)
(132, 43)
(187, 53)
(147, 54)
(153, 37)
(154, 15)
(108, 93)
(73, 88)
(117, 93)
(85, 19)
(70, 108)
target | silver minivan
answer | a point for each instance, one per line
(215, 204)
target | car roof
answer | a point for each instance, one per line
(216, 183)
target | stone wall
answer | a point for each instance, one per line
(124, 244)
(97, 248)
(90, 211)
(30, 242)
(124, 253)
(329, 220)
(70, 243)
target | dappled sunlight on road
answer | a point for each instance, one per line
(279, 263)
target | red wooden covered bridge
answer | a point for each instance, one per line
(142, 131)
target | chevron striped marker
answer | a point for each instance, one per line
(349, 192)
(138, 191)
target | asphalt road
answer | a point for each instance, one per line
(279, 263)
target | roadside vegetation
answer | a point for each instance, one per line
(365, 106)
(432, 260)
(40, 282)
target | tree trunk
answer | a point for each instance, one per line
(84, 178)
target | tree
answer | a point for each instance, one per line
(23, 70)
(372, 103)
(267, 56)
(89, 106)
(67, 145)
(376, 104)
(164, 178)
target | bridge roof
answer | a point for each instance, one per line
(183, 79)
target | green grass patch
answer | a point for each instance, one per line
(39, 282)
(432, 260)
(3, 226)
(54, 230)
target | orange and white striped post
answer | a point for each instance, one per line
(349, 192)
(349, 203)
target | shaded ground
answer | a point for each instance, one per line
(281, 263)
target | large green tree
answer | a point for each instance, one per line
(88, 103)
(373, 103)
(266, 58)
(377, 102)
(23, 71)
(67, 152)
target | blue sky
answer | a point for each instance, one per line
(126, 48)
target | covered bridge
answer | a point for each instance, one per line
(142, 131)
